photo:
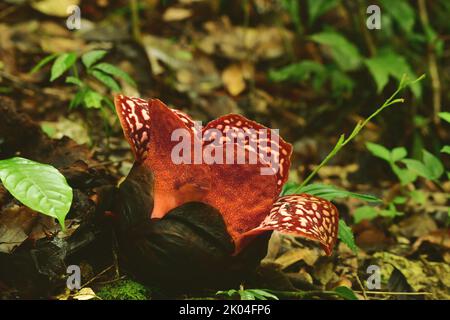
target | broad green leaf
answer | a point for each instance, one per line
(379, 151)
(398, 154)
(246, 295)
(43, 62)
(317, 8)
(300, 72)
(402, 13)
(93, 99)
(92, 57)
(406, 176)
(262, 294)
(417, 167)
(38, 186)
(330, 192)
(62, 64)
(75, 81)
(346, 293)
(433, 164)
(381, 68)
(345, 53)
(445, 116)
(116, 72)
(106, 80)
(365, 213)
(445, 149)
(345, 234)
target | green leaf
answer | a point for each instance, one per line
(246, 295)
(93, 99)
(293, 8)
(116, 72)
(445, 149)
(38, 186)
(92, 57)
(398, 154)
(299, 72)
(346, 293)
(77, 99)
(417, 167)
(433, 165)
(106, 80)
(391, 212)
(402, 13)
(330, 192)
(365, 213)
(62, 64)
(229, 293)
(345, 53)
(406, 176)
(418, 196)
(317, 8)
(341, 83)
(345, 234)
(75, 81)
(43, 62)
(262, 294)
(381, 68)
(379, 151)
(445, 116)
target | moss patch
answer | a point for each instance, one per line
(124, 290)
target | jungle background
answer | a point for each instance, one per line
(311, 68)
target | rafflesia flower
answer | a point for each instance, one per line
(199, 204)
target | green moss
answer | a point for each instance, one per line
(124, 290)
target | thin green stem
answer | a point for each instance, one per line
(343, 141)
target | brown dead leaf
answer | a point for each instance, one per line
(417, 225)
(241, 43)
(439, 237)
(233, 79)
(85, 294)
(56, 8)
(308, 255)
(176, 14)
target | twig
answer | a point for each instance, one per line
(97, 276)
(362, 286)
(432, 64)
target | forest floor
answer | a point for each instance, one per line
(207, 64)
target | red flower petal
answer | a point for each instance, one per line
(259, 137)
(185, 118)
(303, 215)
(242, 195)
(148, 127)
(135, 120)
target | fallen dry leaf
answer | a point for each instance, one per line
(176, 14)
(57, 8)
(85, 294)
(233, 79)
